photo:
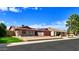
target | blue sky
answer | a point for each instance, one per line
(37, 17)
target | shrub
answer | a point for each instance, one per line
(10, 33)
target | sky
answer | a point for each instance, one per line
(37, 17)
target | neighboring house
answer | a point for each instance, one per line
(57, 32)
(28, 31)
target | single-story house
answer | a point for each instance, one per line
(28, 31)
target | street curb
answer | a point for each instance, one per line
(33, 42)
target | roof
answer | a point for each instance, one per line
(35, 29)
(10, 27)
(28, 28)
(21, 28)
(24, 29)
(43, 29)
(58, 30)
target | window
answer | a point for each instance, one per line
(23, 32)
(27, 32)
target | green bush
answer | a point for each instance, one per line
(10, 33)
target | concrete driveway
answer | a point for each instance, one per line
(64, 45)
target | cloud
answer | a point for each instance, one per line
(7, 23)
(36, 8)
(1, 21)
(25, 7)
(12, 9)
(33, 8)
(4, 8)
(37, 26)
(58, 25)
(61, 22)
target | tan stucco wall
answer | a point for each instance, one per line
(18, 33)
(52, 33)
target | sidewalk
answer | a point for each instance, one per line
(36, 38)
(41, 41)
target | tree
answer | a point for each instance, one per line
(73, 24)
(3, 31)
(3, 25)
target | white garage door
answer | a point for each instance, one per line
(40, 33)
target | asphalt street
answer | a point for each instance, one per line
(64, 45)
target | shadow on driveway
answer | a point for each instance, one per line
(65, 45)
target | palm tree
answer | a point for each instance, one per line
(73, 24)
